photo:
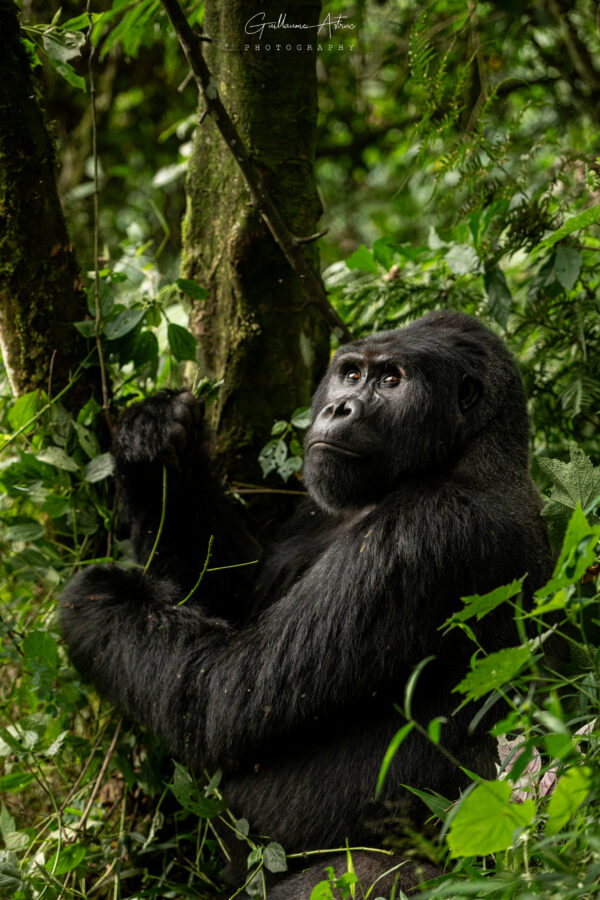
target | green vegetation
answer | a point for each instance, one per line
(457, 164)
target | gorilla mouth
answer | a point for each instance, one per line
(336, 448)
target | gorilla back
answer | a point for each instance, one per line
(285, 678)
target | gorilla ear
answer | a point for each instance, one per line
(469, 392)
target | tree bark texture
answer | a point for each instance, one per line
(41, 293)
(257, 331)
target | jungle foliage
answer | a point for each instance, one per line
(457, 165)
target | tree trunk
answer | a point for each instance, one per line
(41, 293)
(257, 331)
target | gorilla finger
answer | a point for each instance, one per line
(182, 414)
(178, 436)
(195, 405)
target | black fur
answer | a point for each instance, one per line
(285, 677)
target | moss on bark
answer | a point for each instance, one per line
(257, 331)
(40, 289)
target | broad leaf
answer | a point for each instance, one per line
(487, 821)
(56, 457)
(567, 266)
(480, 605)
(192, 289)
(491, 672)
(99, 468)
(569, 794)
(123, 323)
(274, 858)
(181, 342)
(577, 553)
(363, 259)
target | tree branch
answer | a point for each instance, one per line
(290, 245)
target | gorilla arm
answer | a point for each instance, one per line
(351, 626)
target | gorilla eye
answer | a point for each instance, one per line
(391, 378)
(352, 375)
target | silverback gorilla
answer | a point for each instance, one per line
(285, 675)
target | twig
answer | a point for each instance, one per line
(290, 245)
(311, 237)
(85, 768)
(97, 322)
(101, 774)
(269, 491)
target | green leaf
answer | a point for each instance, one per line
(434, 802)
(301, 417)
(462, 258)
(498, 295)
(434, 729)
(254, 857)
(411, 685)
(398, 738)
(279, 427)
(577, 553)
(181, 342)
(243, 826)
(255, 888)
(66, 859)
(23, 410)
(56, 457)
(54, 506)
(364, 260)
(86, 328)
(383, 251)
(289, 467)
(322, 891)
(190, 796)
(99, 468)
(25, 531)
(87, 440)
(192, 289)
(123, 323)
(567, 266)
(66, 71)
(38, 647)
(487, 821)
(491, 672)
(63, 45)
(570, 792)
(13, 839)
(274, 858)
(577, 481)
(16, 781)
(480, 605)
(589, 217)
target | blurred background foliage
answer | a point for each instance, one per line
(458, 167)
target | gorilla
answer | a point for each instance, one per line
(284, 675)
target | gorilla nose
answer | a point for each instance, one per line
(349, 409)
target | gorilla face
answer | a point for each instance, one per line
(391, 405)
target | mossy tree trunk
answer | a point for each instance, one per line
(41, 293)
(257, 330)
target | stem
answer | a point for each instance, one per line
(197, 585)
(163, 512)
